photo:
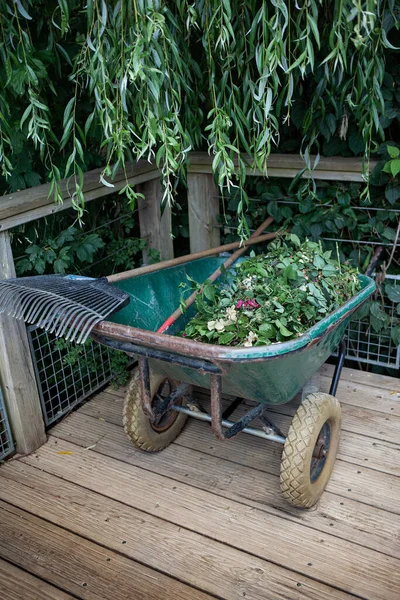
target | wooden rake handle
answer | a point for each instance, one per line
(181, 260)
(253, 239)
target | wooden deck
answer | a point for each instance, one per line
(90, 517)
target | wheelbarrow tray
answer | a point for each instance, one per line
(271, 374)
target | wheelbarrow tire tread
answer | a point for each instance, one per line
(137, 424)
(295, 477)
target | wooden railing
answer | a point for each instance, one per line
(335, 168)
(16, 369)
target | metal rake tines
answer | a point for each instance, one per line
(68, 309)
(63, 317)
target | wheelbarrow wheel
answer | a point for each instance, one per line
(310, 449)
(144, 434)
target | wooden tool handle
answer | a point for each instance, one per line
(180, 260)
(189, 301)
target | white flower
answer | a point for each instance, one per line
(220, 325)
(231, 313)
(251, 338)
(247, 282)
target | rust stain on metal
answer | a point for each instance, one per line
(216, 408)
(145, 386)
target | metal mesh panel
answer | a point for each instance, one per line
(63, 385)
(366, 346)
(6, 442)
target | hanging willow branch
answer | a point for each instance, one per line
(156, 78)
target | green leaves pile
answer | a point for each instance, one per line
(274, 297)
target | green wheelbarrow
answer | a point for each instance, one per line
(159, 398)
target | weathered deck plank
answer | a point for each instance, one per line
(383, 382)
(16, 584)
(237, 525)
(376, 528)
(97, 519)
(79, 566)
(192, 558)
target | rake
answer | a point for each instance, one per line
(70, 306)
(67, 305)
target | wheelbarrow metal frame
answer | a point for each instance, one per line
(217, 418)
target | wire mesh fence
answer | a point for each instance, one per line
(364, 345)
(67, 374)
(6, 441)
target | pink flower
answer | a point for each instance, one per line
(252, 304)
(247, 304)
(184, 334)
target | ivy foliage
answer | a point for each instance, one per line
(107, 242)
(110, 82)
(65, 250)
(332, 212)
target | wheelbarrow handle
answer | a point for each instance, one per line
(190, 300)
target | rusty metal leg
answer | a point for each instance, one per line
(145, 386)
(216, 406)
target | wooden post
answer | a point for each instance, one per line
(154, 227)
(203, 200)
(16, 371)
